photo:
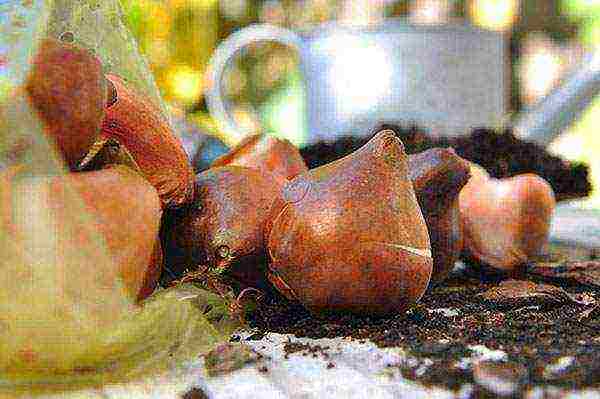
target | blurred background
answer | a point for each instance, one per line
(547, 38)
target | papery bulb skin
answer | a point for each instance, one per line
(438, 175)
(350, 235)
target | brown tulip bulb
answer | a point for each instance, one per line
(136, 123)
(438, 175)
(126, 209)
(505, 221)
(351, 236)
(121, 206)
(67, 88)
(266, 153)
(225, 223)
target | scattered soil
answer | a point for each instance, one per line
(263, 369)
(306, 349)
(195, 393)
(450, 319)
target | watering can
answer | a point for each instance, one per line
(447, 78)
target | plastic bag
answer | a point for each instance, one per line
(63, 317)
(97, 25)
(171, 327)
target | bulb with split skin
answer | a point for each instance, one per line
(349, 235)
(438, 175)
(506, 221)
(223, 228)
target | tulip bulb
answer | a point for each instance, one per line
(266, 153)
(350, 236)
(438, 175)
(122, 216)
(67, 88)
(505, 222)
(225, 223)
(136, 123)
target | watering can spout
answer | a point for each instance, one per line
(547, 119)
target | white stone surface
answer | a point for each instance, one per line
(574, 225)
(360, 371)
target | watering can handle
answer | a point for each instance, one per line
(221, 59)
(547, 119)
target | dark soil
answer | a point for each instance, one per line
(500, 153)
(532, 336)
(305, 349)
(195, 393)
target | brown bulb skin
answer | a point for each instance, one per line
(136, 123)
(505, 221)
(67, 88)
(225, 223)
(266, 153)
(121, 205)
(438, 175)
(350, 236)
